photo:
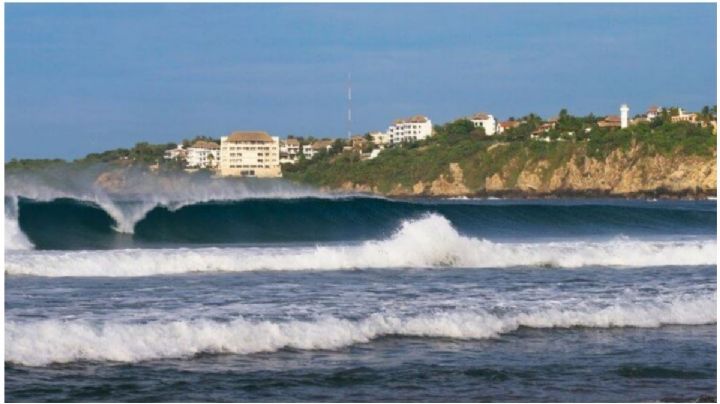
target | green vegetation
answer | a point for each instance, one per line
(531, 143)
(142, 154)
(482, 156)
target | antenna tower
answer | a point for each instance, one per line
(349, 107)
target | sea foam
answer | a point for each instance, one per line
(15, 239)
(140, 193)
(39, 343)
(427, 242)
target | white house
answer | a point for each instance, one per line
(486, 121)
(380, 138)
(203, 154)
(178, 152)
(289, 151)
(653, 112)
(310, 150)
(250, 154)
(410, 129)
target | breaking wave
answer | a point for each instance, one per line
(44, 342)
(15, 239)
(430, 241)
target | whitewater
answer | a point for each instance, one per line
(187, 289)
(428, 242)
(55, 341)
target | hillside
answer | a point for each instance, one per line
(672, 159)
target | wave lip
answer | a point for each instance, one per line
(41, 343)
(15, 239)
(428, 242)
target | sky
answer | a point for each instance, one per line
(83, 78)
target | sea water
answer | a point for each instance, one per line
(327, 298)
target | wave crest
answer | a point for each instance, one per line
(423, 243)
(54, 341)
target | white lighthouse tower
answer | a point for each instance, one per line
(624, 109)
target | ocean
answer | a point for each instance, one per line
(325, 297)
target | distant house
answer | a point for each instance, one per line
(653, 112)
(310, 150)
(505, 125)
(203, 154)
(486, 121)
(682, 116)
(250, 154)
(178, 153)
(542, 129)
(610, 121)
(410, 129)
(380, 138)
(289, 151)
(358, 142)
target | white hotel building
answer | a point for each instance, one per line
(250, 154)
(486, 121)
(410, 130)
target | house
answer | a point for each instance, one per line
(410, 129)
(543, 128)
(203, 154)
(486, 121)
(653, 112)
(505, 125)
(289, 151)
(682, 116)
(380, 138)
(310, 150)
(250, 154)
(358, 142)
(610, 121)
(178, 153)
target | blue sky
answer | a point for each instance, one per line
(81, 78)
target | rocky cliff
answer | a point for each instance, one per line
(621, 173)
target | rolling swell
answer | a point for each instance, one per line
(71, 224)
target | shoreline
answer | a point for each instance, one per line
(658, 194)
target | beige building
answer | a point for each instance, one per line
(250, 154)
(683, 116)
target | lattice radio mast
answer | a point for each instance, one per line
(349, 107)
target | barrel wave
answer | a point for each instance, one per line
(67, 223)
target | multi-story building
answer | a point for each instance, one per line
(410, 129)
(289, 151)
(203, 154)
(250, 154)
(486, 121)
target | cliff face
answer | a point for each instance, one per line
(622, 173)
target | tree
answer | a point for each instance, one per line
(337, 146)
